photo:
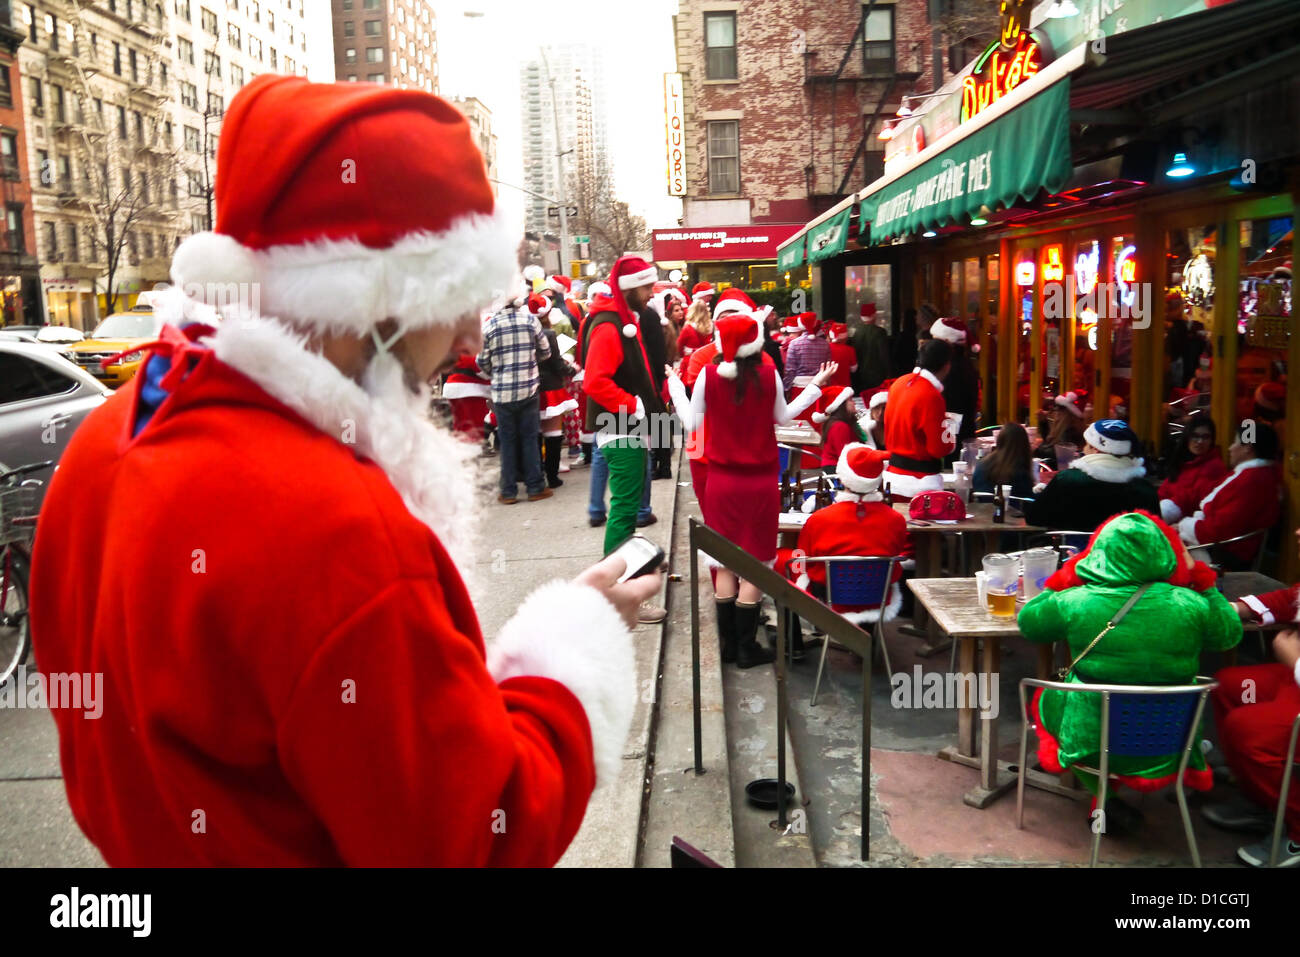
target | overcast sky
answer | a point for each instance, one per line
(481, 57)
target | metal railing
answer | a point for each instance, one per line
(787, 597)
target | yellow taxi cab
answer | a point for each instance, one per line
(117, 333)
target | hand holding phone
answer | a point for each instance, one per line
(627, 576)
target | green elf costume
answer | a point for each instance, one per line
(1159, 641)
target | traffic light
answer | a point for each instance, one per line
(577, 268)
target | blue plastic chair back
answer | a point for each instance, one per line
(785, 459)
(858, 582)
(1150, 725)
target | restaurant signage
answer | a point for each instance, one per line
(828, 239)
(714, 243)
(675, 134)
(1010, 60)
(791, 256)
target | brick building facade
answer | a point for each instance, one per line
(783, 103)
(20, 283)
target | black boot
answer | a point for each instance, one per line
(553, 445)
(663, 463)
(794, 636)
(726, 610)
(586, 453)
(748, 651)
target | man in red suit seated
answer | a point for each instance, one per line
(859, 523)
(1254, 709)
(1246, 501)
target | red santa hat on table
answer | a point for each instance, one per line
(737, 335)
(701, 290)
(829, 401)
(327, 214)
(629, 272)
(1070, 403)
(860, 469)
(808, 323)
(538, 305)
(559, 284)
(735, 300)
(951, 330)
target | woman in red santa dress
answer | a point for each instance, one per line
(740, 399)
(859, 523)
(554, 397)
(467, 390)
(837, 418)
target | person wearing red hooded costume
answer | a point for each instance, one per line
(467, 390)
(293, 669)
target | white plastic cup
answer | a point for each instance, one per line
(1039, 565)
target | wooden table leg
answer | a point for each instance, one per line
(966, 715)
(989, 725)
(929, 553)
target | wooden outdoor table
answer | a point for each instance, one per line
(929, 553)
(1236, 585)
(954, 607)
(793, 435)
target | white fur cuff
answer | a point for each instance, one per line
(572, 634)
(1187, 530)
(1169, 511)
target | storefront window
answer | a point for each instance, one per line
(1086, 264)
(1264, 317)
(1052, 269)
(869, 284)
(1122, 266)
(953, 306)
(1026, 279)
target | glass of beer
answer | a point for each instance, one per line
(1002, 576)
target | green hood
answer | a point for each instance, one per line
(1130, 549)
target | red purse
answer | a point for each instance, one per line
(937, 507)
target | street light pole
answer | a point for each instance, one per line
(559, 165)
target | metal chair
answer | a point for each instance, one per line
(1136, 721)
(785, 452)
(1067, 543)
(857, 580)
(1261, 534)
(1286, 790)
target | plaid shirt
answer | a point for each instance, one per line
(512, 344)
(805, 357)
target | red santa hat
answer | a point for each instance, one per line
(839, 331)
(629, 272)
(878, 398)
(560, 284)
(868, 312)
(860, 468)
(808, 322)
(1070, 403)
(598, 288)
(950, 329)
(736, 300)
(832, 398)
(1271, 396)
(342, 205)
(737, 335)
(701, 290)
(538, 305)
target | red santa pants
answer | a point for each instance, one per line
(1254, 732)
(467, 416)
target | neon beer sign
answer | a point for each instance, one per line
(1010, 60)
(1053, 266)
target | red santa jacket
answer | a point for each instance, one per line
(850, 527)
(1282, 605)
(1180, 496)
(847, 358)
(1247, 500)
(914, 427)
(293, 671)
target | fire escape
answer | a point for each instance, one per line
(877, 83)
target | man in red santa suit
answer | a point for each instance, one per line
(467, 390)
(293, 670)
(702, 290)
(1248, 500)
(917, 428)
(842, 354)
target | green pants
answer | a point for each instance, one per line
(627, 467)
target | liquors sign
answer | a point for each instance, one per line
(675, 134)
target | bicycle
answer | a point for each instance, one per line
(19, 504)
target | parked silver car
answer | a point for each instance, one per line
(43, 399)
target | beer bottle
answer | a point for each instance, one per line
(786, 498)
(823, 492)
(999, 506)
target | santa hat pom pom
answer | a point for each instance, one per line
(819, 417)
(629, 330)
(663, 321)
(727, 370)
(212, 258)
(975, 349)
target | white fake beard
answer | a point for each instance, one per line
(428, 465)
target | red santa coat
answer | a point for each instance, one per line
(852, 528)
(1247, 500)
(847, 358)
(468, 391)
(914, 427)
(1282, 605)
(1180, 496)
(293, 670)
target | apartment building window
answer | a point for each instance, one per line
(232, 35)
(46, 174)
(189, 95)
(133, 248)
(144, 186)
(270, 21)
(117, 58)
(289, 66)
(60, 105)
(198, 223)
(374, 78)
(139, 126)
(9, 155)
(374, 54)
(720, 46)
(372, 28)
(211, 64)
(196, 184)
(255, 48)
(167, 133)
(121, 122)
(6, 86)
(236, 75)
(38, 97)
(256, 9)
(134, 60)
(274, 60)
(350, 55)
(208, 20)
(74, 246)
(724, 156)
(878, 41)
(216, 104)
(164, 74)
(51, 241)
(192, 139)
(52, 28)
(183, 10)
(29, 14)
(176, 194)
(14, 225)
(185, 50)
(148, 245)
(350, 28)
(371, 4)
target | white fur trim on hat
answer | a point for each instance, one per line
(844, 396)
(634, 280)
(555, 286)
(1104, 444)
(1069, 401)
(880, 398)
(850, 479)
(572, 634)
(941, 330)
(598, 289)
(744, 349)
(424, 279)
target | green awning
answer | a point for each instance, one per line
(1010, 159)
(791, 256)
(827, 240)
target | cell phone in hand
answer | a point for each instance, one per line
(641, 555)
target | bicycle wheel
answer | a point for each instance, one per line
(15, 634)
